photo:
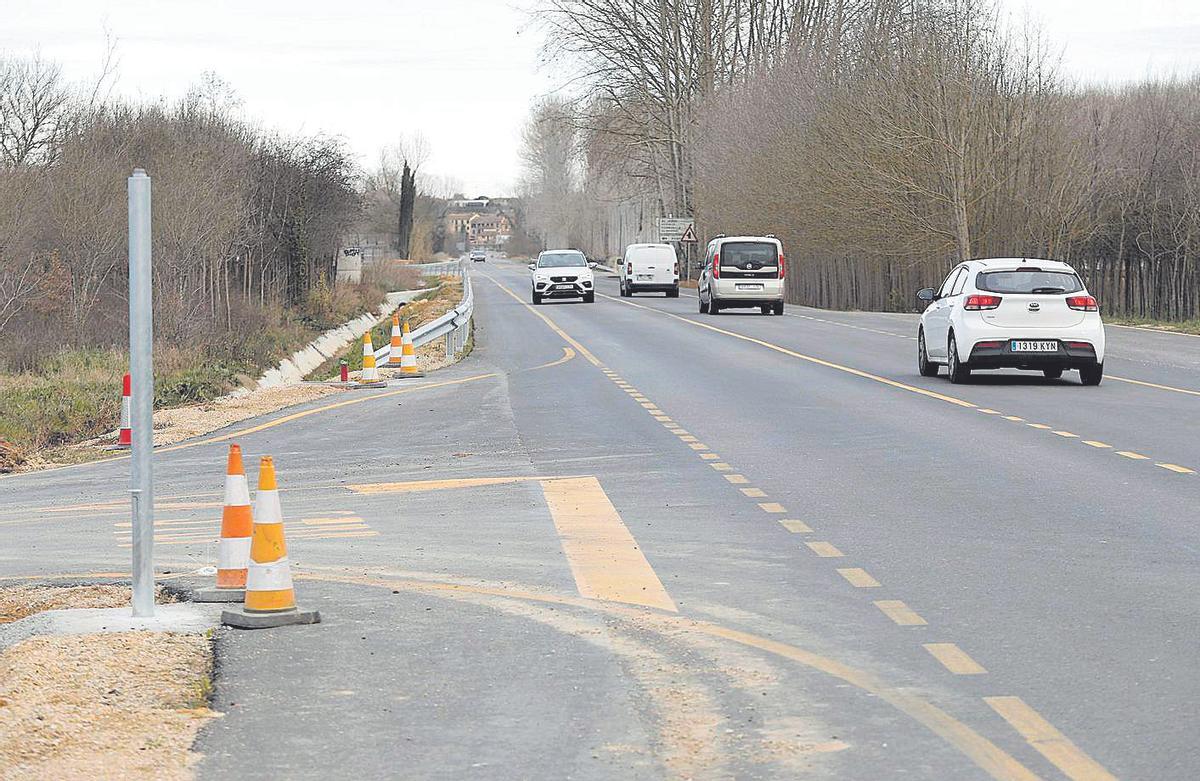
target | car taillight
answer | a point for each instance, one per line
(677, 268)
(1083, 303)
(975, 303)
(628, 269)
(717, 266)
(990, 345)
(781, 265)
(1080, 345)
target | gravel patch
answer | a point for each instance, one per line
(17, 602)
(176, 425)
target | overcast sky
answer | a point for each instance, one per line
(463, 72)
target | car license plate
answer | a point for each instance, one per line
(645, 276)
(1034, 347)
(749, 287)
(564, 287)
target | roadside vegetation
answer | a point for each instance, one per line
(247, 229)
(882, 140)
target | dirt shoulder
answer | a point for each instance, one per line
(104, 706)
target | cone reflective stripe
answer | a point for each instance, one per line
(369, 374)
(397, 347)
(408, 356)
(269, 579)
(125, 437)
(237, 523)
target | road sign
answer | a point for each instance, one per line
(673, 228)
(689, 235)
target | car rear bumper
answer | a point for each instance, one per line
(1002, 356)
(739, 292)
(653, 287)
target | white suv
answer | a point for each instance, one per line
(1015, 313)
(563, 273)
(742, 271)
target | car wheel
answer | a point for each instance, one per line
(958, 372)
(589, 298)
(714, 308)
(673, 293)
(537, 298)
(927, 367)
(1052, 374)
(765, 309)
(1091, 375)
(779, 308)
(703, 306)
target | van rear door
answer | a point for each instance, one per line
(749, 260)
(653, 265)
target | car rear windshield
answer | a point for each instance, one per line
(562, 260)
(752, 253)
(1031, 281)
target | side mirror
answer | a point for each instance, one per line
(592, 264)
(532, 266)
(926, 294)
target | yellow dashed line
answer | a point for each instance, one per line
(1183, 470)
(954, 659)
(795, 526)
(721, 466)
(710, 456)
(988, 411)
(687, 438)
(738, 479)
(1048, 741)
(1094, 443)
(1014, 418)
(858, 577)
(825, 550)
(1067, 434)
(1131, 454)
(1037, 425)
(661, 418)
(698, 446)
(754, 493)
(900, 613)
(771, 507)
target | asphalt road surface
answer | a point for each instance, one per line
(626, 540)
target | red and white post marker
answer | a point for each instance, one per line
(125, 438)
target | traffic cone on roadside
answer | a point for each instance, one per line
(408, 355)
(237, 522)
(125, 435)
(270, 598)
(397, 347)
(369, 377)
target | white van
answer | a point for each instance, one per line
(742, 271)
(648, 268)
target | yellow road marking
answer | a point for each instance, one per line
(988, 411)
(331, 520)
(825, 550)
(772, 507)
(688, 438)
(565, 336)
(661, 418)
(1014, 418)
(721, 466)
(603, 555)
(803, 357)
(1067, 434)
(1131, 454)
(1042, 426)
(1048, 741)
(1094, 443)
(678, 431)
(954, 659)
(795, 526)
(698, 446)
(413, 486)
(754, 493)
(568, 354)
(1183, 470)
(900, 613)
(737, 479)
(1153, 385)
(858, 577)
(709, 456)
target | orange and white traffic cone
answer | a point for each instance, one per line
(125, 436)
(369, 377)
(408, 355)
(397, 347)
(237, 523)
(270, 597)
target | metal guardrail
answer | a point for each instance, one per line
(455, 325)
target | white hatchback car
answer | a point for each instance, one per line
(1015, 313)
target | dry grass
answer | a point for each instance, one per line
(17, 602)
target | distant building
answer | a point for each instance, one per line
(489, 231)
(478, 223)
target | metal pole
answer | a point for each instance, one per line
(141, 367)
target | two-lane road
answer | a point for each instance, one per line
(626, 540)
